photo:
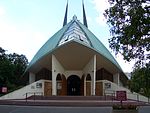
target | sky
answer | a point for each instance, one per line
(25, 25)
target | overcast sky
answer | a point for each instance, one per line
(25, 25)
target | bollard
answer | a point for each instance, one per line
(34, 97)
(26, 97)
(137, 97)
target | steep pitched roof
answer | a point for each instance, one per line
(73, 31)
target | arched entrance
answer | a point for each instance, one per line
(88, 85)
(73, 85)
(59, 84)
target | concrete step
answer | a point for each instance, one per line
(66, 103)
(71, 98)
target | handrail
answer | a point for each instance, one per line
(113, 94)
(34, 94)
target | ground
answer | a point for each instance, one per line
(48, 109)
(39, 109)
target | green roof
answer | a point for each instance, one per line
(49, 45)
(98, 46)
(93, 42)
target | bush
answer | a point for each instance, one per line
(127, 107)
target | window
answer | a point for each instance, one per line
(74, 32)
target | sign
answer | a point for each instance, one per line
(107, 85)
(38, 85)
(121, 95)
(4, 89)
(59, 85)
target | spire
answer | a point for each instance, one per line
(65, 17)
(84, 15)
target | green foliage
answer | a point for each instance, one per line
(129, 22)
(12, 66)
(140, 80)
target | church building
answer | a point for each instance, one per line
(74, 62)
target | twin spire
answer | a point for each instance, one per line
(84, 15)
(65, 18)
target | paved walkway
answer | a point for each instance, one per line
(38, 109)
(47, 109)
(144, 109)
(66, 103)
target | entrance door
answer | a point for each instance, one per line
(47, 88)
(73, 85)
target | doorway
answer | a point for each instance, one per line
(73, 85)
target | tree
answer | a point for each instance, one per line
(129, 22)
(19, 63)
(12, 66)
(140, 80)
(6, 69)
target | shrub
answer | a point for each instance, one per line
(127, 107)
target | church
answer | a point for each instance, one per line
(73, 62)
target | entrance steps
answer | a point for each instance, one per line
(67, 101)
(81, 98)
